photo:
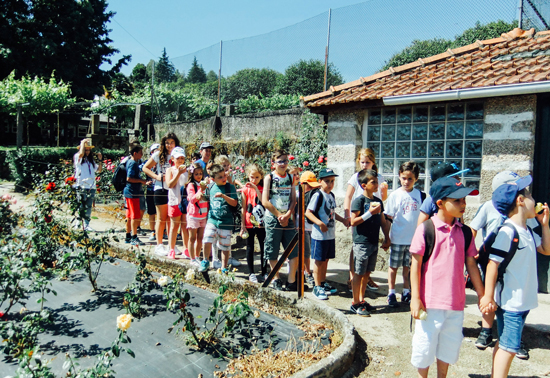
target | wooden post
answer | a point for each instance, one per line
(301, 239)
(19, 126)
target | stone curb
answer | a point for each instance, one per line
(335, 365)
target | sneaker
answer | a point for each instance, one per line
(89, 229)
(136, 242)
(277, 285)
(233, 262)
(371, 285)
(225, 271)
(216, 264)
(171, 254)
(160, 250)
(205, 264)
(152, 236)
(359, 309)
(329, 289)
(128, 240)
(350, 288)
(484, 340)
(177, 251)
(186, 254)
(392, 301)
(309, 278)
(178, 237)
(522, 353)
(319, 293)
(368, 306)
(294, 287)
(140, 231)
(252, 278)
(195, 262)
(406, 298)
(165, 237)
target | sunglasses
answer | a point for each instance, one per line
(281, 162)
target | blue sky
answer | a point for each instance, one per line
(276, 34)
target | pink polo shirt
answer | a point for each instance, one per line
(442, 281)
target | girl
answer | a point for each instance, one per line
(365, 160)
(252, 209)
(85, 170)
(197, 210)
(176, 177)
(160, 162)
(223, 160)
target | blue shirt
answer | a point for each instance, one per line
(429, 207)
(203, 165)
(132, 190)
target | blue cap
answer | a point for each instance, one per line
(504, 197)
(327, 172)
(448, 187)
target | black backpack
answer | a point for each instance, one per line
(307, 199)
(119, 177)
(429, 239)
(184, 200)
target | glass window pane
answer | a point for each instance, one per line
(437, 131)
(375, 147)
(388, 132)
(436, 150)
(474, 111)
(420, 114)
(433, 163)
(474, 166)
(420, 131)
(421, 165)
(473, 148)
(419, 149)
(469, 183)
(457, 163)
(420, 184)
(456, 112)
(455, 130)
(474, 129)
(437, 113)
(375, 117)
(373, 133)
(388, 116)
(404, 132)
(389, 180)
(388, 150)
(387, 166)
(454, 149)
(404, 115)
(403, 150)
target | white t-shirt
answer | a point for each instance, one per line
(85, 174)
(358, 190)
(404, 208)
(520, 279)
(160, 170)
(326, 215)
(174, 194)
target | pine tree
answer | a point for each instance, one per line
(164, 69)
(196, 73)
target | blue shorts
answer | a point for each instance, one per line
(510, 327)
(322, 250)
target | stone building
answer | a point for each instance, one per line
(484, 106)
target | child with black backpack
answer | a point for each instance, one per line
(516, 287)
(197, 211)
(440, 247)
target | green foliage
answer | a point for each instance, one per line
(253, 104)
(134, 292)
(164, 69)
(482, 32)
(196, 73)
(8, 220)
(250, 82)
(307, 77)
(211, 76)
(311, 150)
(139, 74)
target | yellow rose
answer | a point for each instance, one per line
(123, 321)
(256, 314)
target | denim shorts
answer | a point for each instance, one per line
(323, 250)
(510, 327)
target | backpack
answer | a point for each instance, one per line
(119, 177)
(257, 212)
(307, 199)
(429, 239)
(184, 201)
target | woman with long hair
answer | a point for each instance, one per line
(85, 171)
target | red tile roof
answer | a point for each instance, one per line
(518, 56)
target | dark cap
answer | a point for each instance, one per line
(327, 172)
(504, 197)
(205, 145)
(445, 169)
(448, 187)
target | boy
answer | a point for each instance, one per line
(517, 294)
(402, 209)
(219, 225)
(366, 219)
(132, 193)
(323, 233)
(279, 198)
(438, 284)
(310, 182)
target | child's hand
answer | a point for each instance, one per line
(219, 194)
(386, 244)
(283, 220)
(543, 218)
(323, 227)
(375, 208)
(251, 185)
(347, 222)
(182, 169)
(487, 304)
(416, 306)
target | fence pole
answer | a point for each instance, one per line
(301, 236)
(520, 13)
(152, 92)
(327, 48)
(19, 126)
(220, 79)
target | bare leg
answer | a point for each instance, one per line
(307, 268)
(487, 320)
(317, 271)
(502, 360)
(272, 264)
(323, 273)
(192, 241)
(207, 250)
(356, 288)
(128, 225)
(292, 267)
(135, 223)
(423, 373)
(184, 232)
(162, 218)
(140, 217)
(442, 369)
(364, 282)
(392, 274)
(152, 222)
(406, 280)
(225, 258)
(173, 234)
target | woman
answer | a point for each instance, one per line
(85, 174)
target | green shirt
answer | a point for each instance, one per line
(220, 214)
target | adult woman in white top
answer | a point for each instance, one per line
(85, 175)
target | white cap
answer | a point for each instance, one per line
(177, 152)
(155, 146)
(504, 177)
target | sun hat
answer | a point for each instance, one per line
(448, 187)
(504, 197)
(177, 152)
(154, 147)
(327, 172)
(309, 177)
(504, 177)
(205, 145)
(446, 169)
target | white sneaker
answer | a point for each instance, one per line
(160, 250)
(287, 264)
(152, 236)
(253, 278)
(233, 262)
(89, 229)
(195, 262)
(178, 252)
(216, 264)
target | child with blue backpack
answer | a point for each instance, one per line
(197, 211)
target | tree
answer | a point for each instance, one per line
(250, 82)
(307, 77)
(67, 37)
(139, 74)
(482, 32)
(211, 76)
(196, 73)
(164, 69)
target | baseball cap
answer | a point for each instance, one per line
(310, 178)
(327, 172)
(154, 147)
(448, 187)
(505, 195)
(205, 145)
(446, 169)
(177, 152)
(504, 177)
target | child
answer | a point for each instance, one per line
(517, 294)
(150, 198)
(197, 211)
(133, 191)
(176, 177)
(219, 225)
(194, 157)
(366, 219)
(438, 284)
(279, 199)
(85, 174)
(402, 209)
(310, 182)
(252, 218)
(323, 244)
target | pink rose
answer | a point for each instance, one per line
(306, 163)
(320, 160)
(13, 201)
(6, 197)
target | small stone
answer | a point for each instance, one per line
(397, 373)
(157, 344)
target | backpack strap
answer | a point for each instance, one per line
(429, 239)
(422, 197)
(508, 256)
(468, 235)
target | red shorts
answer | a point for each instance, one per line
(174, 211)
(132, 208)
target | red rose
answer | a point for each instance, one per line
(48, 218)
(325, 160)
(306, 163)
(291, 157)
(99, 190)
(50, 186)
(320, 160)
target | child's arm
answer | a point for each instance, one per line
(385, 225)
(356, 220)
(487, 303)
(231, 201)
(251, 185)
(147, 169)
(283, 220)
(243, 214)
(416, 273)
(237, 182)
(475, 277)
(265, 198)
(347, 203)
(543, 219)
(173, 177)
(315, 220)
